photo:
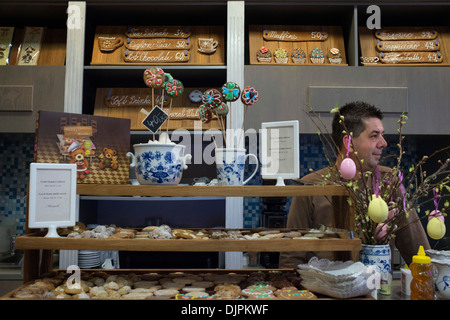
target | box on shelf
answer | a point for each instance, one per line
(98, 145)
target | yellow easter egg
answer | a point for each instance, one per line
(436, 228)
(378, 209)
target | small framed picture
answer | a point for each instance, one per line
(52, 196)
(280, 151)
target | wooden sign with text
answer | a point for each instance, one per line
(406, 33)
(158, 32)
(418, 45)
(157, 56)
(155, 119)
(288, 33)
(157, 44)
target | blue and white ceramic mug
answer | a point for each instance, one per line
(230, 164)
(159, 163)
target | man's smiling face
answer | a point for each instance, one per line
(370, 143)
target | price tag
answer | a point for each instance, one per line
(155, 119)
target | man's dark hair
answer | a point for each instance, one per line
(354, 113)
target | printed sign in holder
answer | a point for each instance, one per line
(52, 196)
(280, 156)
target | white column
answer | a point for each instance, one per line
(73, 93)
(235, 73)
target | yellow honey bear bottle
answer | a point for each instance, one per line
(422, 273)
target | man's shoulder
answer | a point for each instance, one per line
(315, 175)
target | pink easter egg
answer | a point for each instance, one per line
(380, 231)
(348, 169)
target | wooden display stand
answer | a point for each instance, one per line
(38, 249)
(369, 43)
(123, 103)
(334, 39)
(196, 58)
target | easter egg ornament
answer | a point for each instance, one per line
(436, 223)
(378, 209)
(436, 228)
(348, 167)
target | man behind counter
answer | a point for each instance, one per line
(365, 121)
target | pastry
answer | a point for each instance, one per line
(227, 291)
(298, 56)
(264, 55)
(334, 56)
(212, 98)
(174, 87)
(230, 91)
(295, 294)
(166, 292)
(204, 114)
(249, 96)
(281, 55)
(317, 56)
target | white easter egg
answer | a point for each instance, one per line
(436, 228)
(378, 209)
(347, 169)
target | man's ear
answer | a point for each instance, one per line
(345, 143)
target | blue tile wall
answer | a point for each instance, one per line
(16, 154)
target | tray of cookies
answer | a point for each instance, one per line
(165, 238)
(199, 284)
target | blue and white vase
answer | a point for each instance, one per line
(159, 163)
(379, 257)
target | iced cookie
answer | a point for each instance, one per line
(334, 56)
(281, 55)
(264, 55)
(317, 56)
(298, 56)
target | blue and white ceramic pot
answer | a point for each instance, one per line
(379, 257)
(159, 163)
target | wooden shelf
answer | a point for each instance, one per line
(209, 191)
(37, 241)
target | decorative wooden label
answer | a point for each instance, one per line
(183, 113)
(125, 100)
(294, 36)
(31, 46)
(158, 32)
(158, 44)
(6, 36)
(410, 57)
(155, 119)
(157, 56)
(411, 33)
(418, 45)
